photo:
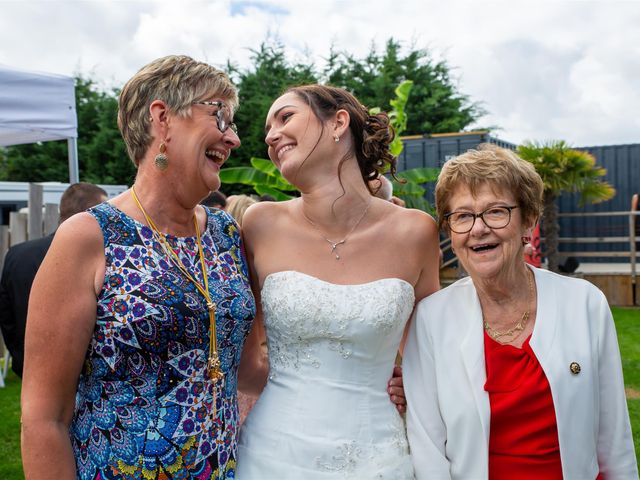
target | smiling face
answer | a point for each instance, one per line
(485, 252)
(198, 148)
(293, 134)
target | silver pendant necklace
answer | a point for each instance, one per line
(335, 245)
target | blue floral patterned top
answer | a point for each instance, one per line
(144, 403)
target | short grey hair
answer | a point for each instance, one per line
(497, 167)
(177, 80)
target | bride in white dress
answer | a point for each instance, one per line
(337, 272)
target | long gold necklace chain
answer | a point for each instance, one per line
(519, 326)
(213, 364)
(335, 245)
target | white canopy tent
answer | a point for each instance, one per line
(38, 107)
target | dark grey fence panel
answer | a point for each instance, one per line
(622, 163)
(431, 151)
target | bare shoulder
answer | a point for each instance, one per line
(414, 224)
(261, 217)
(81, 232)
(77, 250)
(413, 236)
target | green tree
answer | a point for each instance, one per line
(437, 105)
(102, 150)
(259, 85)
(264, 178)
(564, 169)
(36, 162)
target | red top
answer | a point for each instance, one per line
(524, 438)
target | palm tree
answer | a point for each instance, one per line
(564, 169)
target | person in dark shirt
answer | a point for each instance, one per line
(21, 264)
(216, 199)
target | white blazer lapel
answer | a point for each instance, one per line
(472, 352)
(544, 330)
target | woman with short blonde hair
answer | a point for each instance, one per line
(513, 372)
(141, 307)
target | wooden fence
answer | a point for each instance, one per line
(619, 284)
(41, 220)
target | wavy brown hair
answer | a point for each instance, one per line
(371, 134)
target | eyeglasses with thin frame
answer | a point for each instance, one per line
(223, 121)
(493, 217)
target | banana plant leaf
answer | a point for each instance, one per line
(419, 203)
(277, 194)
(253, 177)
(412, 189)
(270, 169)
(419, 175)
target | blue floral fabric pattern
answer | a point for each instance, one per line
(144, 407)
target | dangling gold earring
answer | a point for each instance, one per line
(161, 161)
(336, 138)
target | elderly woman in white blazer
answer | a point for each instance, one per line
(512, 372)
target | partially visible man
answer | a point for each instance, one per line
(21, 264)
(215, 199)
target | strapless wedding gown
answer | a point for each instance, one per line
(325, 412)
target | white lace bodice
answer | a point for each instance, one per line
(331, 352)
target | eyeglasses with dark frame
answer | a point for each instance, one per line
(222, 121)
(493, 217)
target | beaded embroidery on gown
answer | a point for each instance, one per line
(325, 412)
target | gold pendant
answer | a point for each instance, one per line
(214, 370)
(217, 384)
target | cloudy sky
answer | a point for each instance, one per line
(543, 70)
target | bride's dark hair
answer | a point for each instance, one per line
(371, 134)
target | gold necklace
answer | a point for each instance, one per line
(335, 245)
(517, 327)
(213, 364)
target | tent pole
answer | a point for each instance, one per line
(72, 144)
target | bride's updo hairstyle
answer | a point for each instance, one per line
(371, 134)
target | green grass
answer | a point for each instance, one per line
(628, 328)
(627, 325)
(10, 462)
